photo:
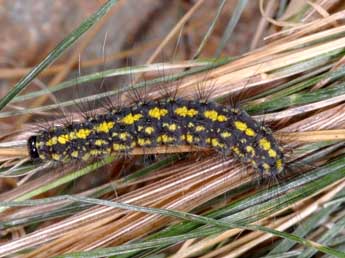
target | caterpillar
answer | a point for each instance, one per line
(167, 122)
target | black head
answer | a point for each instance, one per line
(33, 152)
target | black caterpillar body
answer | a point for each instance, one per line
(170, 122)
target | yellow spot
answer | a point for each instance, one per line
(240, 125)
(172, 127)
(266, 166)
(86, 156)
(63, 139)
(181, 111)
(208, 140)
(72, 136)
(184, 111)
(104, 127)
(279, 164)
(254, 163)
(119, 147)
(213, 115)
(189, 138)
(190, 125)
(165, 138)
(95, 152)
(56, 156)
(216, 143)
(225, 134)
(237, 151)
(116, 146)
(250, 150)
(264, 144)
(221, 118)
(83, 133)
(192, 112)
(199, 128)
(52, 141)
(131, 119)
(158, 112)
(272, 153)
(143, 142)
(100, 142)
(249, 132)
(123, 136)
(75, 154)
(140, 127)
(149, 130)
(243, 140)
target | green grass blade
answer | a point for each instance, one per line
(98, 76)
(70, 177)
(263, 204)
(56, 52)
(304, 229)
(210, 30)
(337, 228)
(64, 179)
(241, 4)
(298, 99)
(92, 98)
(190, 217)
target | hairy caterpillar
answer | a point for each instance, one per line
(169, 122)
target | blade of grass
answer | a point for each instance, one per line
(108, 188)
(298, 99)
(188, 217)
(64, 179)
(210, 30)
(91, 99)
(56, 52)
(304, 229)
(241, 4)
(298, 84)
(102, 75)
(262, 204)
(337, 228)
(331, 172)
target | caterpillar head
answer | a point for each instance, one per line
(32, 148)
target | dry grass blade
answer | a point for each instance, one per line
(295, 72)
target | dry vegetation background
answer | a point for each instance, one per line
(283, 60)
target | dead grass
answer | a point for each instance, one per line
(202, 183)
